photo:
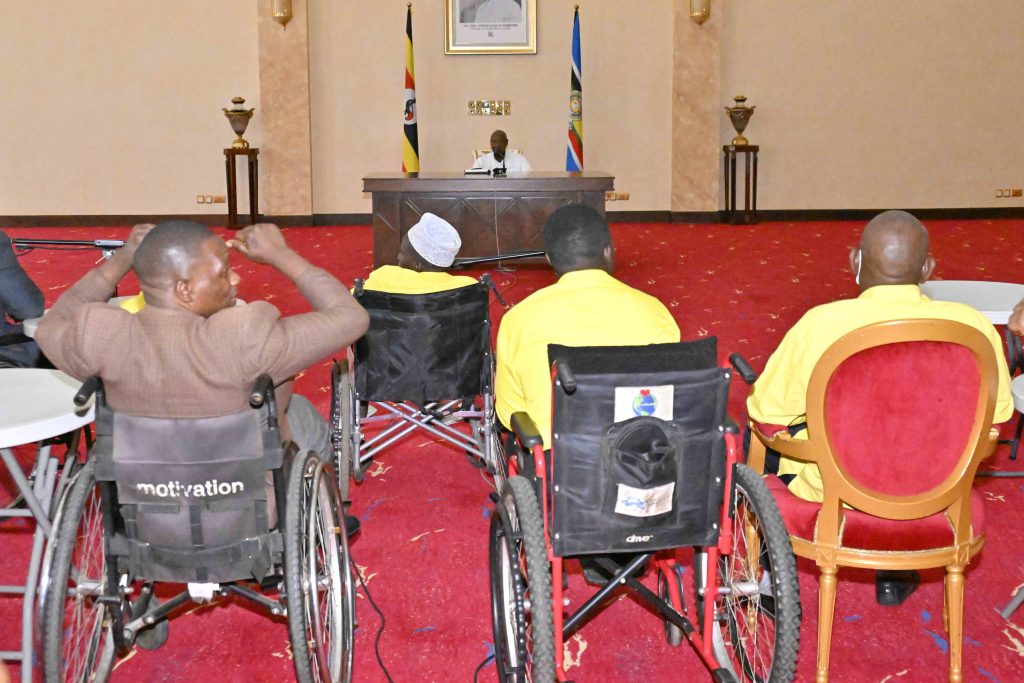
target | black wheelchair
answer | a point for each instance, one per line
(425, 363)
(186, 501)
(643, 464)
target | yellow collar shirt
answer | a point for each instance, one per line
(398, 280)
(779, 397)
(584, 308)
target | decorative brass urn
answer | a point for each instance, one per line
(238, 117)
(740, 115)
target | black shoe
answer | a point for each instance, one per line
(352, 525)
(894, 587)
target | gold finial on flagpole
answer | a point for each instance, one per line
(577, 7)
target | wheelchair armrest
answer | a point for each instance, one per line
(526, 431)
(263, 387)
(743, 367)
(89, 387)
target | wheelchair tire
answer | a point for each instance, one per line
(343, 415)
(673, 634)
(524, 645)
(78, 640)
(760, 632)
(320, 591)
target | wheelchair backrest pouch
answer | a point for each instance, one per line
(643, 483)
(188, 487)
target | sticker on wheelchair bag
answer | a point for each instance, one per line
(634, 502)
(633, 402)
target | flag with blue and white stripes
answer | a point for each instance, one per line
(574, 149)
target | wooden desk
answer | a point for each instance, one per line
(494, 216)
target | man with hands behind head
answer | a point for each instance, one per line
(191, 352)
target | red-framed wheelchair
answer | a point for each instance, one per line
(644, 465)
(187, 501)
(426, 364)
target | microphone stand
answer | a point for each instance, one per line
(475, 260)
(107, 247)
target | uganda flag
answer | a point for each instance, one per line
(410, 142)
(574, 150)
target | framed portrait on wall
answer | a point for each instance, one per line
(477, 27)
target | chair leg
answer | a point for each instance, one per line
(826, 608)
(1015, 441)
(955, 605)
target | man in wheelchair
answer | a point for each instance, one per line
(428, 250)
(176, 488)
(191, 352)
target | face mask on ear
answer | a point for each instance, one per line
(860, 259)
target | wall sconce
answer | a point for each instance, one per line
(281, 10)
(700, 10)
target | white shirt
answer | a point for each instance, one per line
(499, 11)
(514, 162)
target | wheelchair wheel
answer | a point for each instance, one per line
(673, 634)
(497, 461)
(318, 575)
(78, 641)
(524, 648)
(343, 417)
(760, 631)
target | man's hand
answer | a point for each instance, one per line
(262, 243)
(1016, 323)
(138, 233)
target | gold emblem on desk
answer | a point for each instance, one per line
(238, 117)
(740, 115)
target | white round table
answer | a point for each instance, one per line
(35, 405)
(994, 299)
(1017, 390)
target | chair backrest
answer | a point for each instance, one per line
(900, 412)
(191, 493)
(638, 452)
(424, 347)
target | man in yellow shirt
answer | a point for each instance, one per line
(890, 263)
(585, 307)
(427, 251)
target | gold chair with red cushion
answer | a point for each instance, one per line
(899, 415)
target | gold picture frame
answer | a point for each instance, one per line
(488, 27)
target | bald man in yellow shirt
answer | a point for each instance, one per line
(890, 263)
(586, 307)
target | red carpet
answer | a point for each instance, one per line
(425, 510)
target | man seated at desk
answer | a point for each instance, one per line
(500, 157)
(428, 251)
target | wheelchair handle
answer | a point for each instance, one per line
(743, 367)
(565, 376)
(85, 392)
(264, 385)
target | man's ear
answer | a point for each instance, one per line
(927, 269)
(183, 291)
(854, 256)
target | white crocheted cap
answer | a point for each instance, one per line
(435, 240)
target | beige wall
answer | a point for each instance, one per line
(113, 107)
(875, 103)
(357, 59)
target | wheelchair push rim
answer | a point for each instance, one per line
(757, 634)
(78, 639)
(321, 605)
(520, 575)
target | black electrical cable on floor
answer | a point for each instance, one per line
(487, 659)
(380, 631)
